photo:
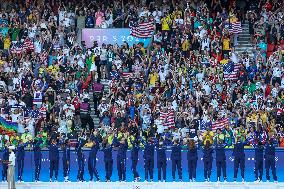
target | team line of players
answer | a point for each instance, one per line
(262, 153)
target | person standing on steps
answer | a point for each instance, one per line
(221, 160)
(121, 158)
(192, 158)
(258, 161)
(107, 149)
(80, 158)
(207, 160)
(134, 157)
(11, 168)
(161, 160)
(239, 154)
(149, 149)
(176, 160)
(92, 160)
(66, 159)
(270, 160)
(54, 159)
(21, 159)
(37, 157)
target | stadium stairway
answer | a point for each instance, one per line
(244, 41)
(96, 119)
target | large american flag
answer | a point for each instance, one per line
(235, 27)
(28, 45)
(168, 118)
(220, 124)
(17, 48)
(126, 75)
(231, 70)
(142, 30)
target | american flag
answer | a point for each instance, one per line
(142, 30)
(220, 124)
(17, 48)
(168, 118)
(235, 27)
(231, 70)
(28, 45)
(126, 75)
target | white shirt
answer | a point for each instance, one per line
(69, 110)
(12, 158)
(157, 16)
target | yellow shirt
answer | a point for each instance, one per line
(7, 43)
(226, 44)
(263, 117)
(153, 78)
(166, 22)
(224, 61)
(176, 13)
(185, 45)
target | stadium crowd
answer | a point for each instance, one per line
(176, 88)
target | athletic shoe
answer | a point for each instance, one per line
(190, 180)
(193, 180)
(151, 180)
(225, 180)
(180, 180)
(267, 180)
(243, 180)
(50, 180)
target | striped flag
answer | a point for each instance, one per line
(168, 118)
(231, 71)
(142, 30)
(127, 75)
(220, 124)
(235, 27)
(28, 45)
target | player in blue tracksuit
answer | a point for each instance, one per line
(176, 160)
(207, 160)
(92, 159)
(192, 157)
(239, 156)
(66, 159)
(149, 148)
(5, 165)
(258, 161)
(269, 156)
(54, 159)
(107, 149)
(80, 159)
(161, 159)
(37, 157)
(221, 160)
(134, 157)
(21, 159)
(121, 158)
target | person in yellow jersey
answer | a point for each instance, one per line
(153, 77)
(166, 22)
(7, 42)
(226, 45)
